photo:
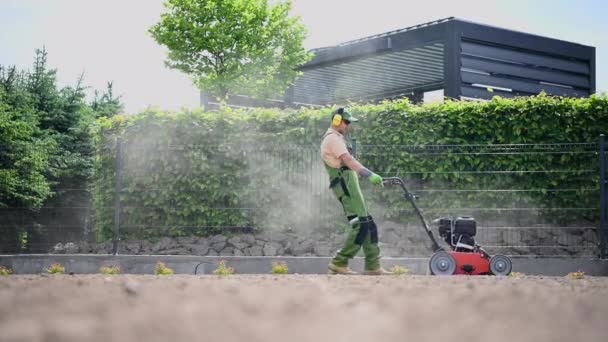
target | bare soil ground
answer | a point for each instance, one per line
(302, 308)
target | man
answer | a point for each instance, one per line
(343, 169)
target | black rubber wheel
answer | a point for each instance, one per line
(500, 265)
(442, 263)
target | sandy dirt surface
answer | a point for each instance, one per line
(302, 308)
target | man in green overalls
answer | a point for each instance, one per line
(343, 170)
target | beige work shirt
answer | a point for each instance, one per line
(332, 147)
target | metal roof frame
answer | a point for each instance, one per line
(463, 58)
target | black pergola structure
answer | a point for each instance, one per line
(465, 59)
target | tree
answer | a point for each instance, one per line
(65, 117)
(24, 156)
(46, 153)
(107, 104)
(245, 47)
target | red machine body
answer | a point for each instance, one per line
(471, 263)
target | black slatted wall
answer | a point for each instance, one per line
(509, 72)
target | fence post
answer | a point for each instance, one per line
(603, 198)
(117, 190)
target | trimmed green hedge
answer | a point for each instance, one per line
(196, 172)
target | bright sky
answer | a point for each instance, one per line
(108, 40)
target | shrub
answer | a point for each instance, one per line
(110, 269)
(228, 154)
(279, 267)
(398, 270)
(162, 269)
(223, 269)
(576, 275)
(4, 271)
(56, 268)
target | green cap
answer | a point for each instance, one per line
(346, 115)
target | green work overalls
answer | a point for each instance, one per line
(345, 186)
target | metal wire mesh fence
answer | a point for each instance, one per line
(536, 199)
(253, 188)
(527, 198)
(67, 216)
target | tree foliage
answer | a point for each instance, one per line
(106, 104)
(245, 47)
(24, 154)
(45, 143)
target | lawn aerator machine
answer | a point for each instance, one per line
(465, 256)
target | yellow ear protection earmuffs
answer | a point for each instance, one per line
(337, 119)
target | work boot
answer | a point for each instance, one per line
(378, 271)
(333, 269)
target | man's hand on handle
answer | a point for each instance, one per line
(375, 179)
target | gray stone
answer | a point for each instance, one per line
(217, 239)
(175, 251)
(94, 248)
(287, 248)
(84, 247)
(392, 226)
(323, 250)
(338, 239)
(248, 239)
(390, 237)
(227, 251)
(590, 236)
(59, 249)
(414, 239)
(132, 247)
(187, 240)
(404, 244)
(145, 247)
(199, 248)
(241, 245)
(105, 248)
(155, 248)
(419, 251)
(271, 249)
(554, 251)
(303, 247)
(212, 252)
(264, 236)
(238, 252)
(515, 237)
(577, 240)
(238, 243)
(254, 251)
(513, 251)
(234, 240)
(170, 246)
(391, 251)
(218, 246)
(563, 240)
(272, 236)
(302, 238)
(319, 236)
(165, 243)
